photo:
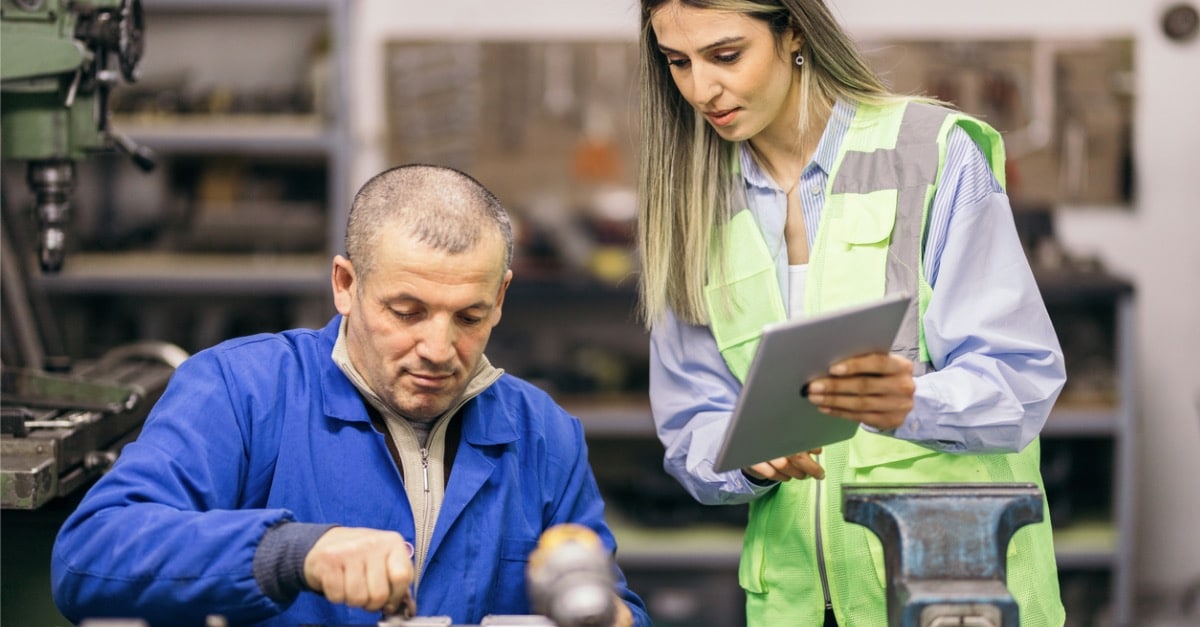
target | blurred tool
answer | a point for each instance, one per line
(570, 578)
(63, 425)
(60, 59)
(945, 548)
(61, 431)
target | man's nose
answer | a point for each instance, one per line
(437, 340)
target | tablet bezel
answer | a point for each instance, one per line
(771, 418)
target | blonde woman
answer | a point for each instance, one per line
(781, 178)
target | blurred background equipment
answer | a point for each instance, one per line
(64, 423)
(61, 59)
(570, 578)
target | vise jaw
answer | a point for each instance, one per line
(945, 548)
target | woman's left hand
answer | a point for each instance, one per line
(875, 389)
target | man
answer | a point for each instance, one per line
(326, 476)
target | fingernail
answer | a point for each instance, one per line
(816, 388)
(838, 369)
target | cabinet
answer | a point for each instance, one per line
(242, 102)
(1089, 446)
(682, 557)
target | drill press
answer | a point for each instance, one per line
(60, 60)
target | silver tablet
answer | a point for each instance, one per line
(772, 419)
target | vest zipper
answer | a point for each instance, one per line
(821, 546)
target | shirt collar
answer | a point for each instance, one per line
(823, 158)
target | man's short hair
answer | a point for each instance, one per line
(440, 206)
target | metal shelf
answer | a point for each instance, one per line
(267, 135)
(233, 6)
(1082, 421)
(180, 273)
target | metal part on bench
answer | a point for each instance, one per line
(945, 548)
(62, 431)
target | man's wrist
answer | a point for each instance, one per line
(279, 558)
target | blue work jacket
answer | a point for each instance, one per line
(265, 429)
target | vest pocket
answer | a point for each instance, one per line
(753, 562)
(868, 218)
(739, 315)
(848, 263)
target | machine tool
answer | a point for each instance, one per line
(64, 418)
(60, 60)
(945, 548)
(63, 424)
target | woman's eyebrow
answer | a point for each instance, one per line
(724, 41)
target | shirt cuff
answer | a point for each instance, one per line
(762, 483)
(279, 559)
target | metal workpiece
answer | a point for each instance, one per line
(945, 548)
(499, 620)
(61, 431)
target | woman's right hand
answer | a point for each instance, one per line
(796, 466)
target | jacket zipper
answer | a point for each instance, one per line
(821, 550)
(422, 535)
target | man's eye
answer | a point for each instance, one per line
(470, 320)
(404, 315)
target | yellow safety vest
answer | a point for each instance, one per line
(868, 244)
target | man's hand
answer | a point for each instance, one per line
(875, 389)
(623, 617)
(365, 568)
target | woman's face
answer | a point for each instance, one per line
(731, 68)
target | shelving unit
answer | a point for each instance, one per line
(1093, 313)
(243, 102)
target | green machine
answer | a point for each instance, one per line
(58, 61)
(62, 424)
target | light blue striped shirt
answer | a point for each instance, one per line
(998, 364)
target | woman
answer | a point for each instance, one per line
(780, 177)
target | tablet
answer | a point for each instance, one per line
(771, 418)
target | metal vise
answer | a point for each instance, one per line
(945, 548)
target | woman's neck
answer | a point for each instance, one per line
(783, 149)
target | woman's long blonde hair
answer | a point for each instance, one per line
(685, 185)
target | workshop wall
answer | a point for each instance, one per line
(1150, 243)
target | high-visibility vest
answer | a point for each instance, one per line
(868, 244)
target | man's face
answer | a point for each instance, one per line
(417, 325)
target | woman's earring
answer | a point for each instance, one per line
(799, 59)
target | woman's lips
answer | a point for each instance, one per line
(721, 118)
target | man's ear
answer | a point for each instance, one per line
(500, 296)
(343, 280)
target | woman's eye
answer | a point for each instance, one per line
(728, 57)
(677, 62)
